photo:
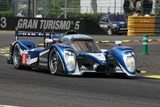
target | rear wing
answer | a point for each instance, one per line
(43, 34)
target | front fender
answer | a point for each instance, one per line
(61, 52)
(125, 57)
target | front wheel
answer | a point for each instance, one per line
(55, 64)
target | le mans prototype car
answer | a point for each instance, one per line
(71, 54)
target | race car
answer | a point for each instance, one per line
(71, 54)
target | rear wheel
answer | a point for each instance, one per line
(16, 58)
(55, 64)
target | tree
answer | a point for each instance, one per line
(147, 6)
(94, 5)
(126, 6)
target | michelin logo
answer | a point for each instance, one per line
(47, 24)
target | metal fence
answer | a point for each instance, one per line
(101, 9)
(32, 7)
(20, 5)
(6, 5)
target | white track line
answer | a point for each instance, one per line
(8, 106)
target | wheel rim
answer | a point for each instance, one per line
(109, 32)
(16, 58)
(53, 63)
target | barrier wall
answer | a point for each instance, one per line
(57, 25)
(139, 25)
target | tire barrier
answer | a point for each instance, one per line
(139, 25)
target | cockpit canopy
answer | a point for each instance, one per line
(85, 46)
(81, 43)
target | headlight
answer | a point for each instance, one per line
(129, 62)
(70, 60)
(115, 25)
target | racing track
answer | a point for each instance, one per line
(40, 89)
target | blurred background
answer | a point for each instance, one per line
(77, 8)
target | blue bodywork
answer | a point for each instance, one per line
(119, 52)
(85, 59)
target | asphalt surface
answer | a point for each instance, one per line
(35, 88)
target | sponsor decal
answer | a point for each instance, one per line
(44, 24)
(38, 24)
(99, 56)
(43, 58)
(27, 23)
(43, 61)
(3, 22)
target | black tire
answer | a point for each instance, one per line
(109, 31)
(55, 64)
(16, 58)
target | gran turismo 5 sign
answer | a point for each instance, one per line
(38, 24)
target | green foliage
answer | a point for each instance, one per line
(127, 14)
(95, 17)
(6, 14)
(61, 3)
(55, 13)
(75, 15)
(73, 12)
(6, 8)
(86, 16)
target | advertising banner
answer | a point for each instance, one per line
(57, 25)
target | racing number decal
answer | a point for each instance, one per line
(3, 23)
(77, 25)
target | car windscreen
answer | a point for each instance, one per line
(117, 18)
(85, 46)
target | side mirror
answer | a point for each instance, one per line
(118, 43)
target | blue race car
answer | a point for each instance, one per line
(71, 54)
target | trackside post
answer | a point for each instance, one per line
(145, 44)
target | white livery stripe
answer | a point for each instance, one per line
(43, 52)
(31, 61)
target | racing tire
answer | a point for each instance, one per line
(109, 31)
(55, 64)
(16, 58)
